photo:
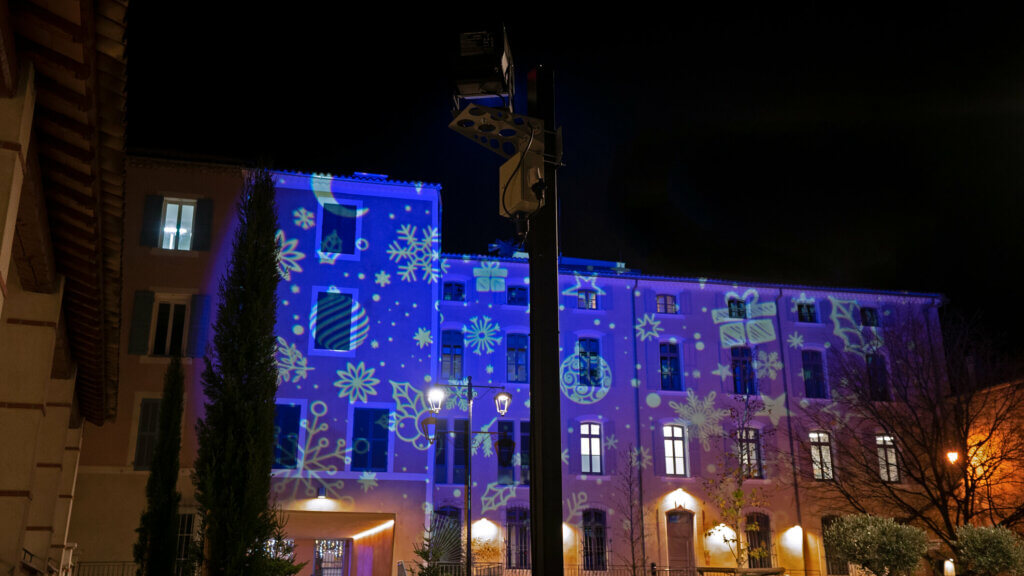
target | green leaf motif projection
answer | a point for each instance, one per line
(410, 409)
(288, 256)
(496, 496)
(845, 318)
(292, 366)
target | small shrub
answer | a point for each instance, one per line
(879, 545)
(989, 551)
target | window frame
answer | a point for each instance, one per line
(888, 458)
(749, 454)
(312, 349)
(151, 436)
(877, 372)
(461, 291)
(591, 367)
(678, 441)
(371, 440)
(523, 300)
(869, 317)
(328, 198)
(176, 238)
(822, 464)
(820, 365)
(517, 530)
(517, 358)
(457, 356)
(806, 313)
(744, 375)
(737, 307)
(502, 450)
(667, 353)
(591, 438)
(594, 539)
(171, 300)
(524, 452)
(300, 433)
(586, 299)
(666, 304)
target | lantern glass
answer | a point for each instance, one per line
(502, 400)
(435, 396)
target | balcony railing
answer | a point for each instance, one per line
(497, 569)
(124, 569)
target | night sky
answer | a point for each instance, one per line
(875, 150)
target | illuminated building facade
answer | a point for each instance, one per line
(372, 314)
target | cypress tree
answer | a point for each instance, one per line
(155, 550)
(240, 381)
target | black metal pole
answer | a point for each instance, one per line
(469, 479)
(545, 384)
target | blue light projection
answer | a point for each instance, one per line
(589, 390)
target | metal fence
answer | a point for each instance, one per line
(498, 569)
(105, 569)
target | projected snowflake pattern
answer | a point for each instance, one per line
(647, 328)
(641, 457)
(304, 218)
(288, 256)
(368, 480)
(423, 338)
(382, 278)
(291, 364)
(575, 504)
(356, 382)
(795, 340)
(767, 365)
(703, 416)
(416, 253)
(481, 335)
(320, 460)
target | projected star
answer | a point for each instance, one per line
(423, 338)
(774, 409)
(647, 328)
(723, 371)
(583, 283)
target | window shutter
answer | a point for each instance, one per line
(151, 212)
(199, 324)
(611, 459)
(142, 313)
(683, 303)
(202, 224)
(824, 310)
(689, 363)
(658, 448)
(791, 314)
(574, 449)
(145, 437)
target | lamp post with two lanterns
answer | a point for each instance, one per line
(435, 397)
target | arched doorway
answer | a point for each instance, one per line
(679, 523)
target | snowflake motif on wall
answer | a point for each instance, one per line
(368, 480)
(489, 369)
(647, 328)
(575, 504)
(304, 218)
(767, 365)
(496, 496)
(288, 256)
(423, 338)
(641, 457)
(356, 382)
(319, 460)
(481, 335)
(291, 364)
(382, 278)
(610, 442)
(795, 340)
(565, 457)
(702, 415)
(417, 255)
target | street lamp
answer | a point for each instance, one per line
(435, 397)
(952, 456)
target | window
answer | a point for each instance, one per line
(145, 438)
(737, 308)
(878, 378)
(460, 452)
(517, 538)
(805, 312)
(868, 316)
(888, 465)
(286, 435)
(586, 299)
(184, 544)
(338, 228)
(448, 520)
(590, 448)
(169, 327)
(744, 377)
(518, 296)
(814, 374)
(337, 324)
(589, 350)
(454, 292)
(671, 379)
(835, 566)
(759, 541)
(451, 355)
(441, 437)
(506, 447)
(675, 450)
(524, 453)
(748, 443)
(594, 529)
(176, 223)
(370, 439)
(821, 455)
(666, 304)
(517, 357)
(178, 217)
